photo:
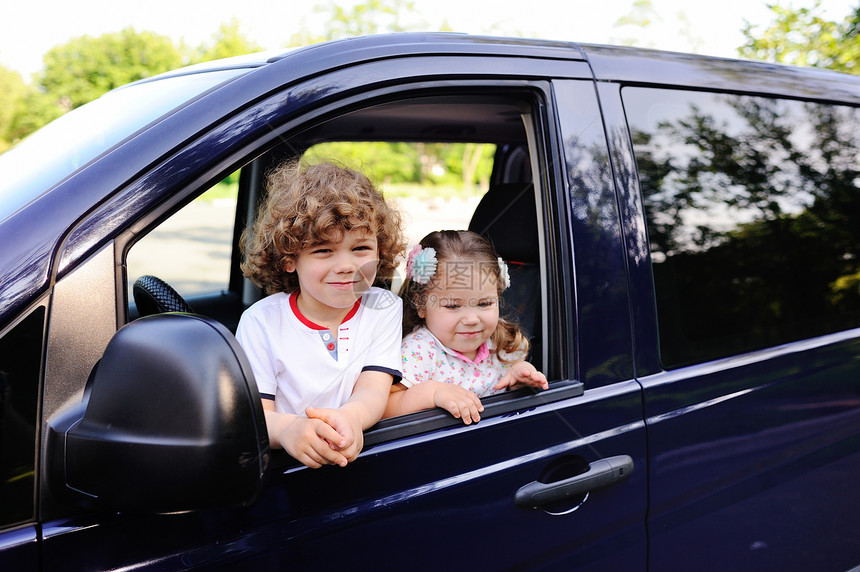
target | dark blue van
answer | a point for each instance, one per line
(686, 233)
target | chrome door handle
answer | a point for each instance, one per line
(600, 473)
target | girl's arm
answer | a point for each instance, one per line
(459, 402)
(523, 373)
(418, 349)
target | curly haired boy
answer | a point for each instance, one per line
(324, 346)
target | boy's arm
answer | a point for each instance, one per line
(369, 397)
(459, 402)
(370, 392)
(361, 411)
(306, 440)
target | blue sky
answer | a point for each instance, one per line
(31, 28)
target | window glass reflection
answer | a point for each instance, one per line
(753, 216)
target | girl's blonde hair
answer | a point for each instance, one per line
(465, 246)
(311, 204)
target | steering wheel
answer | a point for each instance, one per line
(154, 296)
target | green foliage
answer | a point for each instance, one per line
(642, 14)
(803, 37)
(85, 68)
(35, 110)
(23, 108)
(227, 42)
(369, 17)
(459, 168)
(12, 92)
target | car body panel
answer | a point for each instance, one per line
(770, 435)
(19, 548)
(454, 485)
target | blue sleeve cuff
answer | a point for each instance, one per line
(392, 372)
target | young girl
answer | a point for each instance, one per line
(456, 349)
(324, 346)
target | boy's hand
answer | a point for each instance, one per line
(307, 440)
(523, 373)
(350, 437)
(459, 402)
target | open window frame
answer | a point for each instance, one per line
(517, 118)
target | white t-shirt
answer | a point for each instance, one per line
(426, 359)
(300, 364)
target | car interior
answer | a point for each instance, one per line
(505, 212)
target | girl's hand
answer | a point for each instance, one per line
(348, 427)
(459, 402)
(523, 373)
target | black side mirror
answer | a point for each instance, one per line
(171, 421)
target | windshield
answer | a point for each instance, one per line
(60, 148)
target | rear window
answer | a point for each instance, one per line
(753, 215)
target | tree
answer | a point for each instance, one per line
(12, 92)
(804, 37)
(369, 17)
(228, 41)
(36, 110)
(85, 68)
(23, 108)
(642, 15)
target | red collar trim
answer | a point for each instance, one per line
(353, 311)
(294, 305)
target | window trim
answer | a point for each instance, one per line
(538, 123)
(495, 405)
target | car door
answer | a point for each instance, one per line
(555, 480)
(747, 347)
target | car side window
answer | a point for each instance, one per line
(20, 367)
(753, 216)
(191, 251)
(453, 162)
(456, 162)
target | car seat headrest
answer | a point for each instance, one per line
(507, 217)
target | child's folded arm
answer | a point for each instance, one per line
(459, 402)
(361, 411)
(306, 440)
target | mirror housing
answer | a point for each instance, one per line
(170, 421)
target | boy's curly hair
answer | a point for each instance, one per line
(311, 204)
(460, 245)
